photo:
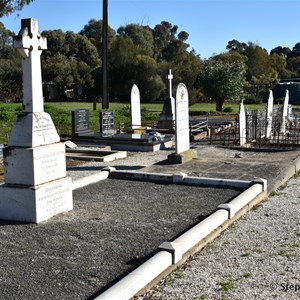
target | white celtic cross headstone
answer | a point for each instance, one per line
(36, 183)
(135, 106)
(33, 127)
(30, 44)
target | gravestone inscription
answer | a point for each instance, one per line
(107, 123)
(81, 122)
(36, 183)
(182, 119)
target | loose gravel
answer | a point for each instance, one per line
(257, 258)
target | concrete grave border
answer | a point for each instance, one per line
(171, 254)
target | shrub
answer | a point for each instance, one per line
(253, 100)
(228, 109)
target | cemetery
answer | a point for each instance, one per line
(148, 198)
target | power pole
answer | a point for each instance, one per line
(105, 100)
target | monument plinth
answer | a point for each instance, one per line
(36, 186)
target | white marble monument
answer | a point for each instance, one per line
(269, 115)
(182, 131)
(36, 185)
(135, 107)
(285, 112)
(167, 117)
(242, 124)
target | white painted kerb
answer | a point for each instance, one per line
(127, 287)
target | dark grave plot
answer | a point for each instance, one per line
(115, 224)
(81, 123)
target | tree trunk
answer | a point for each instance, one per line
(219, 105)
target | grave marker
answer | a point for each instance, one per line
(182, 119)
(36, 186)
(285, 112)
(81, 122)
(135, 107)
(269, 115)
(107, 124)
(182, 131)
(242, 124)
(167, 117)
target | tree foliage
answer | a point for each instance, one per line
(222, 80)
(143, 55)
(9, 6)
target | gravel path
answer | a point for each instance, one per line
(257, 258)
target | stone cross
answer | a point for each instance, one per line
(170, 77)
(30, 44)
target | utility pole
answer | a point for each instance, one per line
(105, 100)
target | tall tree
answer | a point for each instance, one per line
(93, 31)
(222, 80)
(9, 6)
(260, 72)
(140, 35)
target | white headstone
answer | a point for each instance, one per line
(30, 44)
(170, 77)
(285, 111)
(242, 124)
(269, 115)
(36, 186)
(33, 127)
(135, 106)
(182, 119)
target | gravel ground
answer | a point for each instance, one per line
(114, 226)
(257, 258)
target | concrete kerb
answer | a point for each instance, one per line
(79, 183)
(179, 178)
(175, 252)
(290, 172)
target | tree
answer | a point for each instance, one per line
(10, 79)
(279, 64)
(69, 62)
(9, 6)
(222, 80)
(260, 73)
(93, 31)
(283, 51)
(236, 46)
(140, 35)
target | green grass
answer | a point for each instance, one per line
(61, 113)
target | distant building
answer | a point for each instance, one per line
(292, 85)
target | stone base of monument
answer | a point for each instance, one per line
(180, 158)
(130, 142)
(35, 204)
(95, 155)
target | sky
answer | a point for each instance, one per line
(211, 24)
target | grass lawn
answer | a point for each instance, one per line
(61, 113)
